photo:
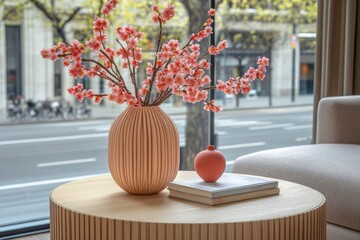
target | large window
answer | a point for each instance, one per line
(62, 141)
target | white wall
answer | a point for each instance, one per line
(38, 73)
(2, 65)
(281, 69)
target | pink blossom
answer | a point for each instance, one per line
(201, 95)
(135, 64)
(208, 30)
(132, 42)
(149, 69)
(160, 86)
(212, 12)
(159, 63)
(209, 21)
(155, 8)
(213, 50)
(168, 13)
(262, 68)
(205, 80)
(66, 63)
(155, 18)
(111, 97)
(228, 89)
(77, 72)
(195, 47)
(100, 37)
(174, 44)
(50, 53)
(130, 29)
(110, 52)
(262, 76)
(222, 45)
(108, 64)
(263, 61)
(179, 80)
(94, 44)
(210, 106)
(98, 99)
(245, 90)
(79, 97)
(100, 24)
(45, 53)
(138, 55)
(109, 6)
(251, 73)
(139, 35)
(220, 86)
(143, 91)
(122, 33)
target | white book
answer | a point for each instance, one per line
(228, 184)
(224, 199)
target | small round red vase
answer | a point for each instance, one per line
(210, 164)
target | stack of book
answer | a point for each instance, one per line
(229, 188)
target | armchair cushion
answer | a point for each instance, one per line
(338, 120)
(332, 169)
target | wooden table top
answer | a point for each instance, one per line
(101, 197)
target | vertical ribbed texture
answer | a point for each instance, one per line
(64, 225)
(143, 150)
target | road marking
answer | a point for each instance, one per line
(75, 124)
(233, 123)
(50, 139)
(271, 126)
(97, 128)
(220, 133)
(45, 182)
(302, 139)
(298, 127)
(178, 117)
(50, 164)
(243, 145)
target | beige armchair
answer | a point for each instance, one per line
(331, 166)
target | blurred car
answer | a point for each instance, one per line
(252, 94)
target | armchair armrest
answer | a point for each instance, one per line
(339, 120)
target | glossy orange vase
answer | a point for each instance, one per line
(143, 150)
(210, 164)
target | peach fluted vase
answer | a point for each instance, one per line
(143, 150)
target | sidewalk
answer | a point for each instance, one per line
(110, 110)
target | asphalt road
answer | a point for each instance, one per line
(35, 158)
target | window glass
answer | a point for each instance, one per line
(48, 138)
(277, 112)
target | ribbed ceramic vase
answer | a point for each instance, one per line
(143, 150)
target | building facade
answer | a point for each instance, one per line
(24, 73)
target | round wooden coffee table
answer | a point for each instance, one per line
(96, 208)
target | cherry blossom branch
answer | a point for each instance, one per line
(132, 75)
(175, 70)
(191, 38)
(103, 67)
(166, 96)
(134, 78)
(116, 71)
(168, 93)
(101, 94)
(147, 98)
(208, 88)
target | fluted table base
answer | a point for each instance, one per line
(96, 208)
